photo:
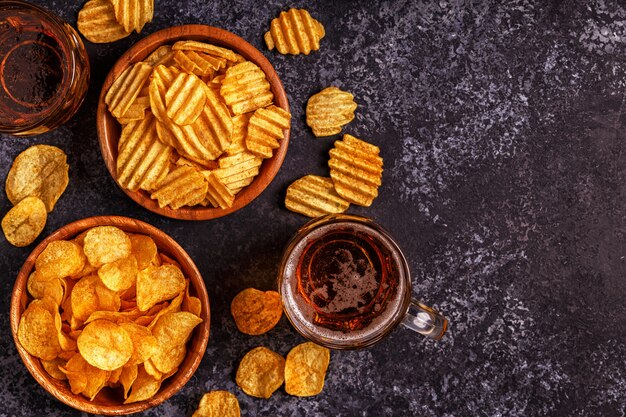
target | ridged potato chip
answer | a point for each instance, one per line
(207, 48)
(160, 56)
(119, 275)
(314, 196)
(185, 99)
(133, 14)
(183, 186)
(60, 259)
(37, 332)
(217, 193)
(126, 88)
(105, 244)
(239, 133)
(97, 22)
(84, 378)
(356, 170)
(144, 387)
(245, 88)
(238, 170)
(294, 32)
(105, 345)
(261, 372)
(218, 404)
(265, 128)
(39, 171)
(305, 369)
(256, 312)
(25, 222)
(156, 284)
(136, 111)
(329, 110)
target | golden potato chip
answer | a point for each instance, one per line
(60, 259)
(40, 286)
(188, 140)
(173, 307)
(126, 88)
(356, 170)
(24, 222)
(144, 344)
(294, 32)
(136, 111)
(314, 196)
(183, 186)
(265, 128)
(256, 312)
(206, 48)
(39, 171)
(240, 131)
(261, 372)
(143, 160)
(238, 170)
(114, 377)
(128, 377)
(37, 331)
(133, 14)
(245, 88)
(144, 250)
(172, 331)
(152, 370)
(217, 193)
(97, 22)
(305, 369)
(185, 99)
(218, 404)
(83, 377)
(161, 56)
(105, 345)
(191, 303)
(90, 295)
(119, 275)
(52, 368)
(156, 284)
(143, 388)
(105, 244)
(329, 110)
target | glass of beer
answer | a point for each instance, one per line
(345, 284)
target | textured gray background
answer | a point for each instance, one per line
(502, 129)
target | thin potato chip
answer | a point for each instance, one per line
(105, 244)
(37, 332)
(24, 222)
(143, 388)
(144, 344)
(160, 56)
(240, 131)
(261, 372)
(128, 377)
(144, 250)
(183, 186)
(329, 110)
(97, 23)
(191, 304)
(126, 88)
(90, 295)
(156, 284)
(40, 286)
(105, 345)
(172, 331)
(217, 192)
(294, 32)
(52, 368)
(60, 259)
(39, 171)
(265, 128)
(218, 404)
(314, 196)
(185, 99)
(245, 88)
(206, 48)
(119, 275)
(83, 377)
(305, 369)
(133, 14)
(256, 312)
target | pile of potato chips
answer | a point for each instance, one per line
(197, 122)
(36, 180)
(103, 21)
(108, 310)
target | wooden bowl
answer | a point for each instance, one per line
(109, 129)
(110, 402)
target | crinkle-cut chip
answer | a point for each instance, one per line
(37, 331)
(216, 119)
(144, 344)
(160, 56)
(218, 404)
(105, 244)
(261, 372)
(185, 99)
(97, 22)
(144, 387)
(136, 111)
(143, 160)
(240, 130)
(305, 369)
(182, 161)
(156, 284)
(245, 88)
(24, 222)
(294, 32)
(133, 14)
(356, 170)
(206, 64)
(119, 275)
(183, 186)
(60, 259)
(329, 110)
(265, 128)
(256, 312)
(144, 250)
(126, 88)
(217, 192)
(40, 286)
(39, 171)
(52, 368)
(128, 377)
(172, 331)
(105, 345)
(90, 295)
(84, 378)
(314, 196)
(215, 83)
(191, 303)
(187, 140)
(193, 63)
(166, 74)
(206, 48)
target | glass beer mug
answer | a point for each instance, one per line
(345, 284)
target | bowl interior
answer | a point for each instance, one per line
(109, 401)
(109, 129)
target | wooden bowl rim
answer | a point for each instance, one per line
(141, 50)
(173, 384)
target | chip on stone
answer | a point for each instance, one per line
(329, 110)
(294, 32)
(133, 14)
(305, 369)
(256, 312)
(261, 372)
(25, 222)
(218, 404)
(314, 196)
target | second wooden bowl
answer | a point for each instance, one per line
(109, 129)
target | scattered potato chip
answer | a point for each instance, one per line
(183, 186)
(245, 88)
(37, 332)
(60, 259)
(97, 22)
(305, 369)
(39, 171)
(185, 99)
(265, 128)
(218, 404)
(356, 170)
(329, 110)
(83, 377)
(119, 275)
(256, 312)
(24, 222)
(294, 32)
(314, 196)
(261, 372)
(133, 14)
(156, 284)
(126, 88)
(105, 244)
(105, 345)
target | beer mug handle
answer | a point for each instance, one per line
(424, 320)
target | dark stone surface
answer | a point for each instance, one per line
(502, 129)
